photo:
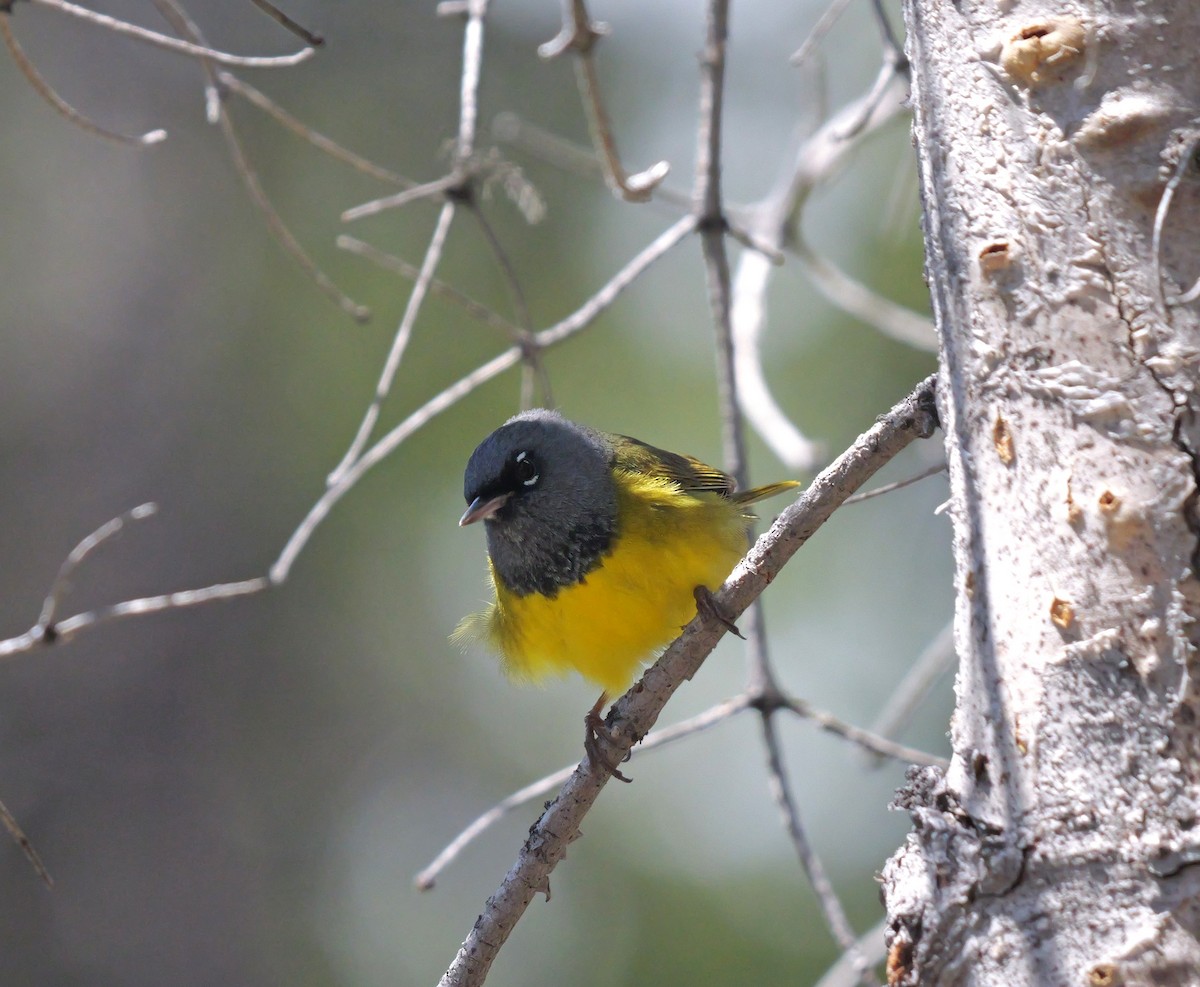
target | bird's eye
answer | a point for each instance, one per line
(526, 469)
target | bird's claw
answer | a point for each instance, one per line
(708, 607)
(594, 729)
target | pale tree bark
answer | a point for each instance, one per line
(1062, 847)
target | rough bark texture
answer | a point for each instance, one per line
(1062, 847)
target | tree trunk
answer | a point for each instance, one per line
(1062, 846)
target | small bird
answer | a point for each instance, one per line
(600, 547)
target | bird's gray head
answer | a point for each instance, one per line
(543, 487)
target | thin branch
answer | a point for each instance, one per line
(579, 33)
(472, 60)
(70, 626)
(416, 298)
(62, 580)
(426, 190)
(870, 945)
(709, 209)
(468, 90)
(856, 299)
(21, 840)
(277, 15)
(888, 488)
(866, 739)
(776, 223)
(1186, 159)
(280, 230)
(935, 660)
(821, 28)
(634, 714)
(178, 18)
(749, 320)
(390, 262)
(318, 140)
(578, 320)
(60, 105)
(427, 878)
(174, 44)
(831, 906)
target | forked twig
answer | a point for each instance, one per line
(552, 336)
(870, 742)
(50, 629)
(426, 879)
(178, 18)
(579, 33)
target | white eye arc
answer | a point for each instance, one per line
(526, 470)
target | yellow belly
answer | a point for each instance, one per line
(634, 603)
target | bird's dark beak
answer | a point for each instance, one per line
(481, 509)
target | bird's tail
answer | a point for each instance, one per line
(755, 494)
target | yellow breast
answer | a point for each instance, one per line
(634, 603)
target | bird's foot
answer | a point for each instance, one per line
(594, 729)
(708, 608)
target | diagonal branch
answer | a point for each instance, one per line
(632, 716)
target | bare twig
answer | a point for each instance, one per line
(174, 44)
(472, 62)
(277, 15)
(177, 17)
(868, 740)
(870, 945)
(749, 320)
(280, 230)
(65, 109)
(888, 488)
(872, 743)
(776, 223)
(935, 660)
(822, 27)
(858, 300)
(579, 34)
(552, 336)
(426, 190)
(831, 906)
(390, 262)
(1186, 160)
(634, 714)
(62, 581)
(27, 848)
(318, 140)
(426, 879)
(416, 298)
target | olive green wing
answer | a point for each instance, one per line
(690, 474)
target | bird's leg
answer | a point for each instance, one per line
(593, 729)
(708, 608)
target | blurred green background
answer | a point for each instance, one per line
(241, 794)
